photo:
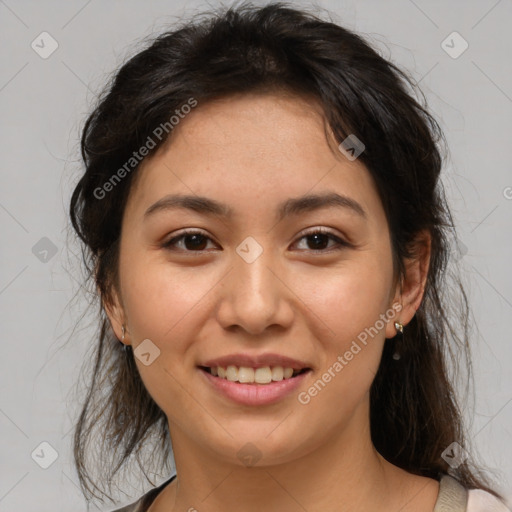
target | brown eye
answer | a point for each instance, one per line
(318, 241)
(196, 241)
(191, 241)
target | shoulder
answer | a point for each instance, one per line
(138, 506)
(454, 496)
(143, 503)
(134, 507)
(482, 501)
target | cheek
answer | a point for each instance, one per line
(348, 299)
(352, 302)
(160, 300)
(163, 306)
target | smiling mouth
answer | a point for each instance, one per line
(246, 375)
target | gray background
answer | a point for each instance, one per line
(43, 103)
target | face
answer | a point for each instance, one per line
(248, 282)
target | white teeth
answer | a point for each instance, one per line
(232, 373)
(263, 375)
(245, 374)
(277, 373)
(248, 375)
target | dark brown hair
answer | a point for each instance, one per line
(414, 413)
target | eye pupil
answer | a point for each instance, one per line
(318, 244)
(199, 241)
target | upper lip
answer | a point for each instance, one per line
(256, 361)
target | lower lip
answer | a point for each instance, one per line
(255, 394)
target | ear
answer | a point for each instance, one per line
(116, 315)
(410, 289)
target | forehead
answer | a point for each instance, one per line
(251, 149)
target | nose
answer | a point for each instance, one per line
(255, 296)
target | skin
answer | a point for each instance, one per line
(252, 152)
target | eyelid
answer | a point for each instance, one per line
(186, 232)
(341, 240)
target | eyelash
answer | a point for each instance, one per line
(321, 231)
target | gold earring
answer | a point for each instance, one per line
(399, 329)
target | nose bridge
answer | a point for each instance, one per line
(254, 297)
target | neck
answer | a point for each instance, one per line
(344, 473)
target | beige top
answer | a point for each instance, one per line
(453, 497)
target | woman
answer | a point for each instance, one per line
(264, 222)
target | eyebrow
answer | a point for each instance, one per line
(292, 206)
